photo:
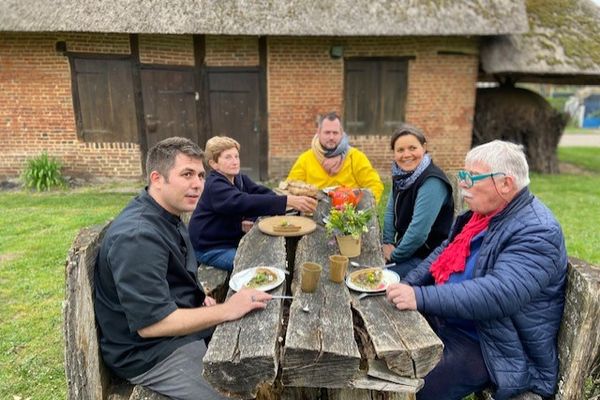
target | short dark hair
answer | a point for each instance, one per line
(331, 116)
(161, 156)
(407, 129)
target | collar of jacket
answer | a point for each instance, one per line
(523, 197)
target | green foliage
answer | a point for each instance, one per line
(43, 173)
(348, 221)
(594, 114)
(558, 103)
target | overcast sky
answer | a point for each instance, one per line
(597, 2)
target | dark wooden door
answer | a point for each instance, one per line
(234, 111)
(170, 99)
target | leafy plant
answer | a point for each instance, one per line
(43, 173)
(348, 221)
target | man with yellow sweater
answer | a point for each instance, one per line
(333, 162)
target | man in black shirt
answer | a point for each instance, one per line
(151, 311)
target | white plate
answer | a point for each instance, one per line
(328, 189)
(239, 280)
(389, 277)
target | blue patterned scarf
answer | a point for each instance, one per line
(404, 179)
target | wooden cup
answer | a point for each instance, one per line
(311, 273)
(337, 268)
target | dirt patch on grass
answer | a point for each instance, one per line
(572, 169)
(6, 257)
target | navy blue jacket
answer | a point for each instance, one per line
(217, 220)
(515, 298)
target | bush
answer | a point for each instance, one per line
(43, 173)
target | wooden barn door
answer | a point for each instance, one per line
(170, 98)
(233, 97)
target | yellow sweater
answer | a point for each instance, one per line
(356, 172)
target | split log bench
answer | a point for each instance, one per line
(88, 378)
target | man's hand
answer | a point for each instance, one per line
(245, 301)
(184, 321)
(387, 251)
(302, 203)
(402, 296)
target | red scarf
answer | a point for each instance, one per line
(455, 255)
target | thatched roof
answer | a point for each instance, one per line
(268, 17)
(562, 46)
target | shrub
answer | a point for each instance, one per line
(43, 173)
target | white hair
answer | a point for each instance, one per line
(502, 156)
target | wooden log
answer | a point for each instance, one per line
(87, 377)
(142, 393)
(403, 339)
(379, 369)
(579, 335)
(320, 350)
(365, 394)
(214, 281)
(243, 355)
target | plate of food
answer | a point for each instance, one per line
(371, 279)
(287, 225)
(260, 278)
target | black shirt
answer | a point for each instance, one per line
(404, 205)
(145, 270)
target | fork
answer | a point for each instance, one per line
(367, 294)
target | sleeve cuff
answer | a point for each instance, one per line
(167, 309)
(419, 298)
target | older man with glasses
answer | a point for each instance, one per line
(494, 291)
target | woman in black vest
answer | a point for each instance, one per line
(420, 208)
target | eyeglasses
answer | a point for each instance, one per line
(469, 180)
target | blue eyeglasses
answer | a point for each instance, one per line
(469, 180)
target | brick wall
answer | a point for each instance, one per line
(231, 51)
(167, 49)
(36, 106)
(303, 80)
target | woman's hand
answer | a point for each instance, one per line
(247, 225)
(387, 251)
(302, 203)
(209, 301)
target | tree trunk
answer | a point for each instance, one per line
(520, 116)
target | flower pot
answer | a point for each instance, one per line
(349, 246)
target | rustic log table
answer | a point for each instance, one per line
(344, 346)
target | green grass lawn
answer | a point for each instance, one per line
(37, 231)
(587, 158)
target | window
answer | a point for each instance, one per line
(375, 95)
(103, 100)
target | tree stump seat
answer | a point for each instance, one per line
(87, 377)
(215, 281)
